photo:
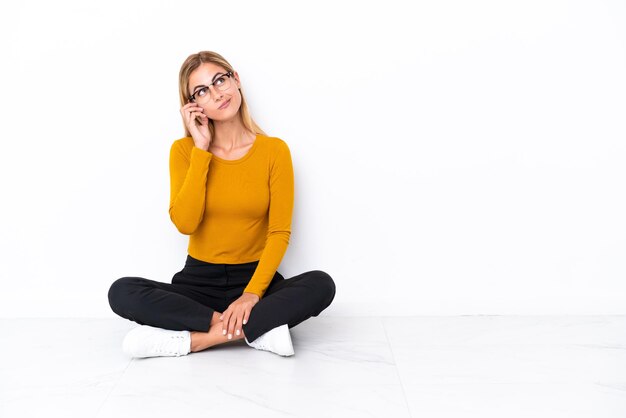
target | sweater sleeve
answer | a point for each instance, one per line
(279, 224)
(188, 179)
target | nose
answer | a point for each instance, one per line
(218, 94)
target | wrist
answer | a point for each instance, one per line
(257, 297)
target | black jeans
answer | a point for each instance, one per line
(202, 288)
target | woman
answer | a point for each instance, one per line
(232, 192)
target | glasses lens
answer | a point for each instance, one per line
(201, 95)
(222, 83)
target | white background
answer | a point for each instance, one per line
(451, 157)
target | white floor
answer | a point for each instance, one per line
(461, 367)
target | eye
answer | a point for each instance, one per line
(219, 81)
(201, 92)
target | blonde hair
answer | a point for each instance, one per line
(192, 62)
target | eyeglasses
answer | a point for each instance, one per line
(202, 95)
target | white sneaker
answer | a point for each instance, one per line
(147, 341)
(277, 340)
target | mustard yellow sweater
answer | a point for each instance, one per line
(234, 211)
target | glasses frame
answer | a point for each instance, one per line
(193, 99)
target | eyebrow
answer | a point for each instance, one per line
(212, 80)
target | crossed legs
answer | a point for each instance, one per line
(176, 307)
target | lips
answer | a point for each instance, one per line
(225, 104)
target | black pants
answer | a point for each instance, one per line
(202, 288)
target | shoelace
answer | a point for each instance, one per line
(169, 346)
(262, 343)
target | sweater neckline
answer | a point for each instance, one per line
(242, 159)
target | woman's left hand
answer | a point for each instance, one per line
(238, 314)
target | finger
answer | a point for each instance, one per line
(190, 107)
(231, 326)
(234, 321)
(199, 112)
(193, 115)
(246, 315)
(238, 324)
(187, 108)
(191, 104)
(226, 317)
(226, 322)
(244, 321)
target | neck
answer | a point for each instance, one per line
(229, 134)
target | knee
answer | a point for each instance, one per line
(326, 285)
(119, 292)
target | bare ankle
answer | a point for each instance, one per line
(216, 318)
(198, 341)
(203, 340)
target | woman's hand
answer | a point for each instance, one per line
(238, 314)
(199, 130)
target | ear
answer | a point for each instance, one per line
(236, 76)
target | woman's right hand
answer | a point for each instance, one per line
(199, 131)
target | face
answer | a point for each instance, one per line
(203, 76)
